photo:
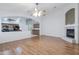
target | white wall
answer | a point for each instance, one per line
(54, 23)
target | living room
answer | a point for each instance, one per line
(39, 28)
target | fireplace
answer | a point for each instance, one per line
(70, 33)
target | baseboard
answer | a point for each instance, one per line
(58, 37)
(30, 36)
(52, 35)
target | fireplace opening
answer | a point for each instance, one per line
(70, 33)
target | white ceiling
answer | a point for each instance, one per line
(25, 7)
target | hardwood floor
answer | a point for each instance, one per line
(43, 45)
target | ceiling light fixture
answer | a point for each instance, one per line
(37, 12)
